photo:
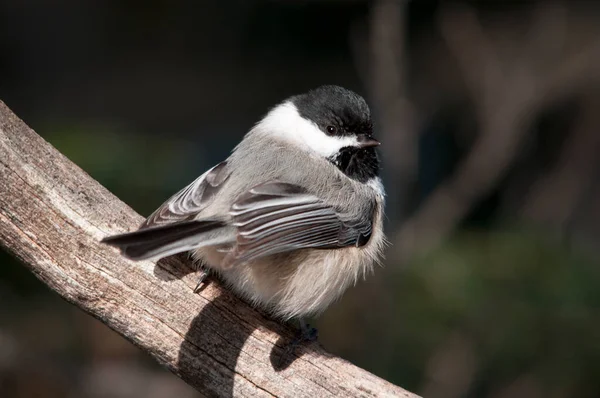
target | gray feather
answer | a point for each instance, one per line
(279, 217)
(191, 200)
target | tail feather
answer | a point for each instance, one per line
(165, 240)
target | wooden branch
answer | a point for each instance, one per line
(52, 215)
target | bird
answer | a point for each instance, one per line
(292, 218)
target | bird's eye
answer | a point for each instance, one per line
(331, 130)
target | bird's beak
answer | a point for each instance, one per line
(365, 141)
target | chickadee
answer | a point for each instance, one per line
(292, 218)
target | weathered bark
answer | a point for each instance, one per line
(52, 215)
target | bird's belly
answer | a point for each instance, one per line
(319, 280)
(297, 284)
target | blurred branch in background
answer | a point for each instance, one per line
(52, 216)
(508, 85)
(380, 55)
(555, 197)
(389, 92)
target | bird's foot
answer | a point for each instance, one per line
(307, 335)
(204, 274)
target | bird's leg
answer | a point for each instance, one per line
(307, 333)
(204, 273)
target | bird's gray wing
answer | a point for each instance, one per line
(188, 202)
(278, 217)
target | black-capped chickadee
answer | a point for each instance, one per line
(292, 218)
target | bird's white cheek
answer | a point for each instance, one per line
(285, 122)
(325, 145)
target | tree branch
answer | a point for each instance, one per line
(52, 215)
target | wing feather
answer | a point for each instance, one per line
(191, 200)
(278, 217)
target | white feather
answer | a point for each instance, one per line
(377, 186)
(285, 122)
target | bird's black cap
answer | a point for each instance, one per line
(335, 107)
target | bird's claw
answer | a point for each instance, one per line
(307, 334)
(204, 274)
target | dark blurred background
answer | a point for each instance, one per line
(489, 112)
